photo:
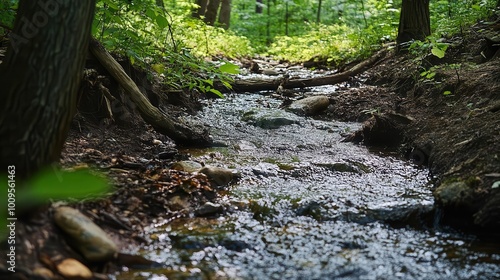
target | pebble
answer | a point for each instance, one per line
(73, 269)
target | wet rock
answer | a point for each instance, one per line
(270, 118)
(266, 169)
(187, 166)
(73, 269)
(385, 129)
(208, 209)
(244, 145)
(310, 105)
(167, 154)
(353, 167)
(177, 203)
(219, 176)
(270, 72)
(454, 194)
(312, 209)
(88, 238)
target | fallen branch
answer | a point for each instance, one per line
(250, 85)
(160, 121)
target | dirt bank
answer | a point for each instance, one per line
(456, 124)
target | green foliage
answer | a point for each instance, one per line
(52, 184)
(172, 43)
(7, 14)
(450, 17)
(347, 30)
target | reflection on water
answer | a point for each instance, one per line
(311, 207)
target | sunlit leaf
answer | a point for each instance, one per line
(158, 67)
(447, 92)
(162, 22)
(229, 68)
(438, 52)
(216, 92)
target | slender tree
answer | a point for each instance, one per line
(414, 22)
(225, 13)
(259, 4)
(212, 11)
(160, 3)
(318, 14)
(40, 77)
(201, 8)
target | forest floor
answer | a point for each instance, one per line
(456, 135)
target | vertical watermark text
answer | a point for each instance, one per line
(11, 218)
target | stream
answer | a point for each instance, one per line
(309, 206)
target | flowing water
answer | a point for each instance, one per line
(309, 206)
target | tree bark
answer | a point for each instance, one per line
(225, 14)
(160, 4)
(414, 22)
(201, 9)
(180, 133)
(318, 14)
(41, 74)
(259, 84)
(212, 10)
(259, 4)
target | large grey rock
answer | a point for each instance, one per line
(88, 238)
(270, 118)
(310, 105)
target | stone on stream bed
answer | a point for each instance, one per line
(219, 176)
(270, 118)
(88, 238)
(73, 269)
(187, 166)
(208, 209)
(309, 106)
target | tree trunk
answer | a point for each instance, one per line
(225, 14)
(318, 15)
(40, 77)
(201, 9)
(212, 10)
(160, 4)
(161, 122)
(414, 22)
(259, 4)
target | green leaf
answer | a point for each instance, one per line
(438, 52)
(57, 184)
(447, 92)
(162, 22)
(227, 85)
(218, 93)
(111, 5)
(210, 82)
(229, 68)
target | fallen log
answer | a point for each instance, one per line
(161, 122)
(250, 85)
